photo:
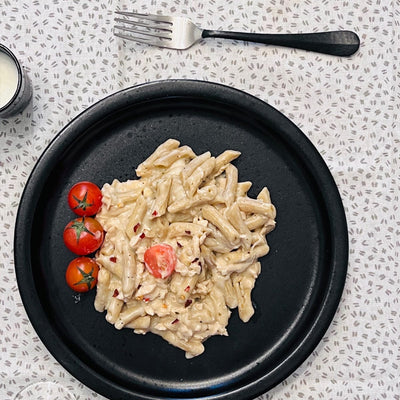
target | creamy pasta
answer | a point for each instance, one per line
(196, 205)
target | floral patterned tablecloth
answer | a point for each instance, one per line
(348, 107)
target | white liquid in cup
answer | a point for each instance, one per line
(8, 78)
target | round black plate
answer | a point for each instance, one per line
(302, 277)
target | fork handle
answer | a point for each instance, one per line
(337, 43)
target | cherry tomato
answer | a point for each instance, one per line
(81, 274)
(83, 235)
(160, 260)
(84, 199)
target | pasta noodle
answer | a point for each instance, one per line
(196, 205)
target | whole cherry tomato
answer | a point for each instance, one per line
(81, 274)
(83, 235)
(84, 198)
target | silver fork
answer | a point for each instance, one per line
(181, 33)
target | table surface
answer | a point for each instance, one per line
(348, 107)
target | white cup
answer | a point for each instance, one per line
(15, 85)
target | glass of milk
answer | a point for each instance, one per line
(15, 86)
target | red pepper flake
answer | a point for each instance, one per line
(136, 227)
(146, 299)
(155, 213)
(116, 293)
(142, 236)
(113, 259)
(179, 245)
(175, 321)
(196, 259)
(188, 303)
(187, 288)
(188, 232)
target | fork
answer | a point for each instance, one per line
(181, 33)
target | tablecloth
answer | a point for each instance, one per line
(348, 107)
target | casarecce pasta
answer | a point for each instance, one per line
(194, 204)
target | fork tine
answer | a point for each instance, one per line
(143, 24)
(149, 41)
(141, 32)
(150, 17)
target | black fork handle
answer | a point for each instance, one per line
(337, 43)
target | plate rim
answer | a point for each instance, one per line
(179, 87)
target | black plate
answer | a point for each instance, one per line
(302, 278)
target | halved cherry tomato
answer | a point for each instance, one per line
(84, 198)
(160, 260)
(83, 235)
(81, 274)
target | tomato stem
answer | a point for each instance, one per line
(83, 204)
(87, 278)
(79, 227)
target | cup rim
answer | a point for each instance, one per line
(6, 50)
